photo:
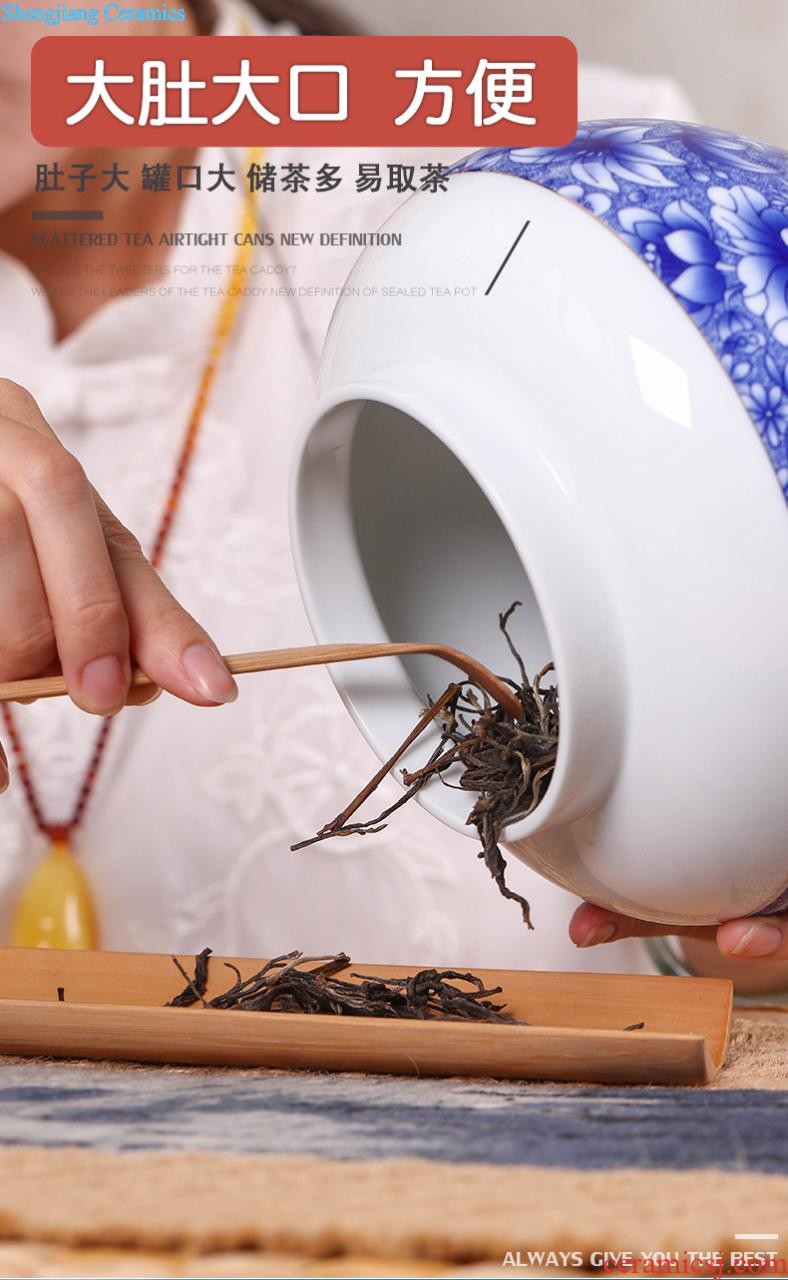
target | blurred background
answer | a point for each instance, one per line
(728, 56)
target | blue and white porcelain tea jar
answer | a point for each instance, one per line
(600, 430)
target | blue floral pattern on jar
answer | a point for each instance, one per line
(708, 212)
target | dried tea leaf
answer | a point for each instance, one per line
(295, 983)
(507, 761)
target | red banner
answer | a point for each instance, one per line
(378, 91)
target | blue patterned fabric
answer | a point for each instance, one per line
(357, 1117)
(708, 212)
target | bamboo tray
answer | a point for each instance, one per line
(113, 1010)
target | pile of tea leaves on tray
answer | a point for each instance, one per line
(295, 983)
(507, 761)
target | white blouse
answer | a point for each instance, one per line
(186, 838)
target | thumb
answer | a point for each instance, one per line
(754, 938)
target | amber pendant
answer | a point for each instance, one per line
(56, 907)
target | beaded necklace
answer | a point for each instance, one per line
(56, 907)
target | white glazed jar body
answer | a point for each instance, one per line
(570, 440)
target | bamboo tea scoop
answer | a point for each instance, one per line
(308, 656)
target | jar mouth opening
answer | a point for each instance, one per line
(397, 540)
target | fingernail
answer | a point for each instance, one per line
(600, 933)
(4, 775)
(208, 674)
(756, 940)
(102, 682)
